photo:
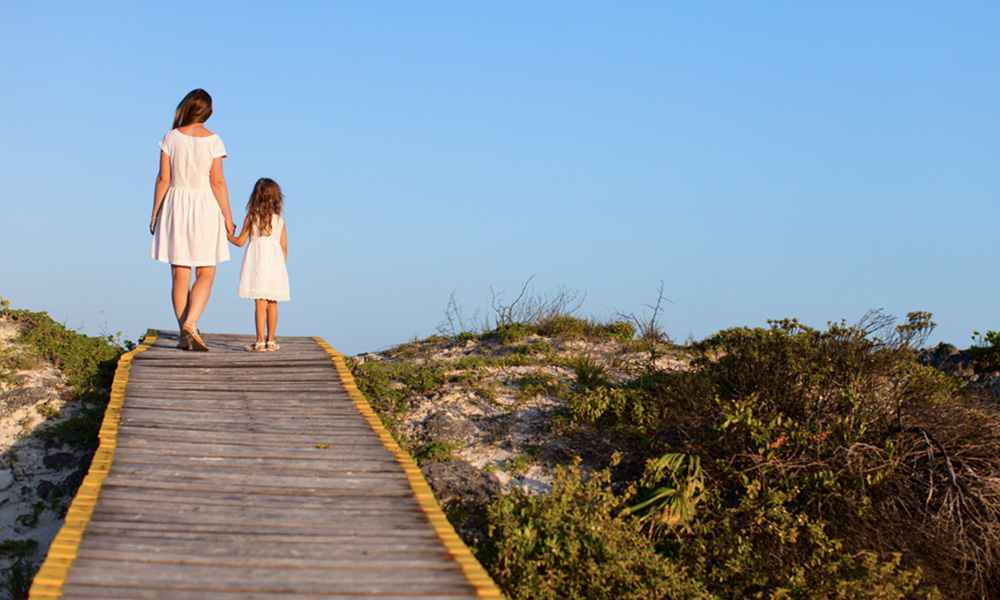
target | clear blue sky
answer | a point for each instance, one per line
(761, 159)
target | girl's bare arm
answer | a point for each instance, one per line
(242, 239)
(284, 242)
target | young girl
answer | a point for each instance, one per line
(264, 277)
(191, 217)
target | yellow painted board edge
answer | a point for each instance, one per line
(474, 572)
(51, 576)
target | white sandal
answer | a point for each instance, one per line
(272, 346)
(256, 347)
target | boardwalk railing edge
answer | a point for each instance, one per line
(474, 572)
(51, 576)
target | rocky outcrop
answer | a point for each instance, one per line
(949, 359)
(464, 492)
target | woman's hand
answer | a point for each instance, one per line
(152, 225)
(230, 228)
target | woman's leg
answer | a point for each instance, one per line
(272, 319)
(198, 297)
(182, 281)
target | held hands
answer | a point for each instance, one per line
(152, 225)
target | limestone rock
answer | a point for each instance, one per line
(445, 426)
(458, 483)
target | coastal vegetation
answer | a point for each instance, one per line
(761, 462)
(86, 366)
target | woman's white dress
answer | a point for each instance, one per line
(191, 230)
(263, 275)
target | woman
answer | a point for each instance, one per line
(191, 216)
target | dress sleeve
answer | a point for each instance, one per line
(165, 143)
(218, 149)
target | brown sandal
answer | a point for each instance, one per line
(192, 337)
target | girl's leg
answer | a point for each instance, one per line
(272, 319)
(260, 315)
(198, 297)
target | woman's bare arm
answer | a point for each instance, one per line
(218, 182)
(160, 190)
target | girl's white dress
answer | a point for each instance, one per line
(263, 275)
(191, 230)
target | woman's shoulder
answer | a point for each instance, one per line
(194, 131)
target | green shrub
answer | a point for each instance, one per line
(623, 331)
(765, 547)
(985, 349)
(88, 362)
(609, 406)
(511, 333)
(572, 544)
(566, 326)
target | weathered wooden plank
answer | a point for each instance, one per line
(209, 449)
(156, 438)
(270, 533)
(260, 410)
(107, 593)
(310, 474)
(302, 405)
(131, 510)
(232, 432)
(320, 460)
(155, 554)
(285, 499)
(287, 398)
(277, 580)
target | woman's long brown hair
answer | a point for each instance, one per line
(196, 107)
(266, 201)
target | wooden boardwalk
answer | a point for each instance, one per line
(251, 475)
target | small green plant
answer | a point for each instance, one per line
(537, 384)
(435, 451)
(31, 519)
(542, 347)
(673, 486)
(518, 466)
(590, 372)
(17, 578)
(47, 411)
